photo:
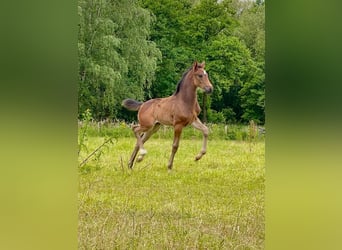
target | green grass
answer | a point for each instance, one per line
(215, 203)
(217, 131)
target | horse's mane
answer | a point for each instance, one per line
(179, 84)
(181, 81)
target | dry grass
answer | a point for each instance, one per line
(216, 203)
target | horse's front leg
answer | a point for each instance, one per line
(200, 126)
(176, 138)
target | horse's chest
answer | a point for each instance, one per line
(184, 115)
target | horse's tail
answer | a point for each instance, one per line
(131, 104)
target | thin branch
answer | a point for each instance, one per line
(92, 153)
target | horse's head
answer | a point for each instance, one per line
(201, 78)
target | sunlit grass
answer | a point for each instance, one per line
(215, 203)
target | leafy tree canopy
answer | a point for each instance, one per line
(139, 49)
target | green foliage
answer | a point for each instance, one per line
(86, 126)
(139, 49)
(239, 82)
(251, 29)
(236, 133)
(182, 31)
(168, 33)
(229, 115)
(216, 117)
(203, 30)
(83, 130)
(115, 55)
(253, 99)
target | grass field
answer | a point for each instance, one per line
(215, 203)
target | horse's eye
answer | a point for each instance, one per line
(200, 76)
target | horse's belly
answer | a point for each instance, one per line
(164, 119)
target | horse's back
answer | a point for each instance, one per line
(172, 111)
(167, 111)
(158, 110)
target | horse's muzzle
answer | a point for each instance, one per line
(208, 90)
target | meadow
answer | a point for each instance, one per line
(215, 203)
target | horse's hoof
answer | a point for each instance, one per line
(140, 158)
(199, 156)
(142, 151)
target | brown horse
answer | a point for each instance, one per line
(178, 110)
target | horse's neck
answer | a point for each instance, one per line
(188, 93)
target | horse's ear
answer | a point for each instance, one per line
(195, 66)
(202, 64)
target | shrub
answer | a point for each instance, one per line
(216, 117)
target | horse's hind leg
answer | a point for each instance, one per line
(140, 142)
(136, 130)
(147, 136)
(134, 154)
(200, 126)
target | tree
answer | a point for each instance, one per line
(232, 69)
(116, 58)
(251, 29)
(218, 32)
(169, 32)
(252, 96)
(183, 31)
